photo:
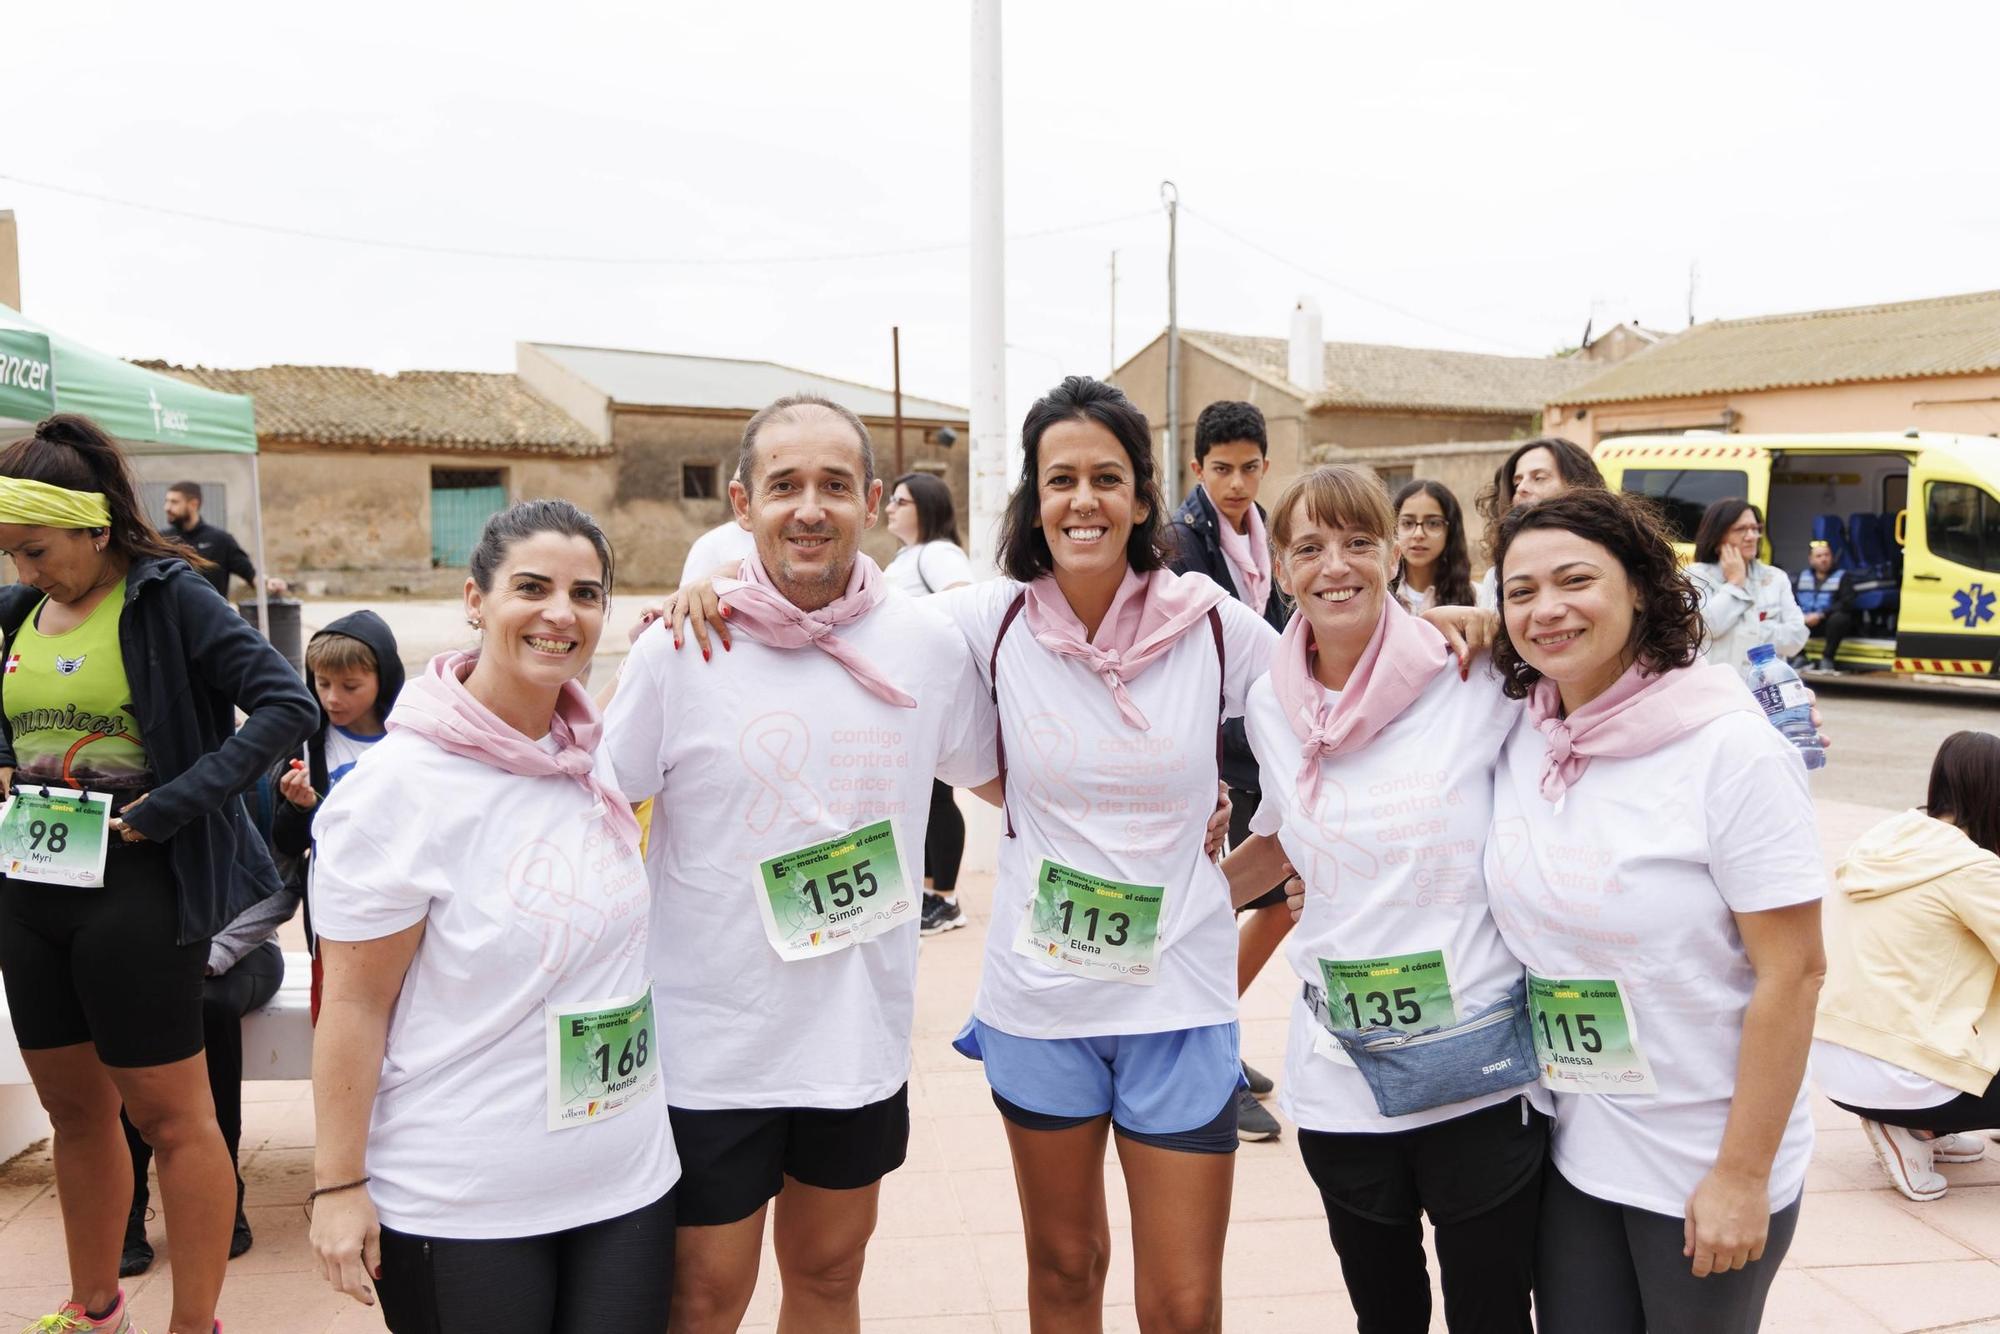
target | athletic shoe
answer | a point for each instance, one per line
(940, 915)
(138, 1254)
(1253, 1123)
(1906, 1159)
(1259, 1082)
(70, 1319)
(1957, 1149)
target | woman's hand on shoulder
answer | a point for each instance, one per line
(697, 606)
(1468, 631)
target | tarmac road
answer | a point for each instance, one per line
(1884, 738)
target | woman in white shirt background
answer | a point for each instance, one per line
(1654, 864)
(1744, 602)
(1432, 566)
(932, 559)
(493, 1146)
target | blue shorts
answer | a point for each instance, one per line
(1174, 1090)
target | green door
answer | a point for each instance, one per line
(461, 503)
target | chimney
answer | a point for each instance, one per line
(1306, 366)
(10, 261)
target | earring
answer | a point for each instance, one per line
(472, 621)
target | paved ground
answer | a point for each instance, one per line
(948, 1258)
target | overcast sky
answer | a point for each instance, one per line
(1482, 176)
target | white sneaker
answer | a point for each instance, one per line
(1906, 1159)
(1957, 1149)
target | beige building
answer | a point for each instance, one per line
(378, 484)
(1930, 365)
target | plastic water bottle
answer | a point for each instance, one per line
(1786, 702)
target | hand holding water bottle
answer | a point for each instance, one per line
(1786, 702)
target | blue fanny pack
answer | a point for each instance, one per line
(1491, 1051)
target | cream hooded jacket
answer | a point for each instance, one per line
(1913, 952)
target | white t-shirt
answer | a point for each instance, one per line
(1637, 878)
(1086, 789)
(1861, 1080)
(1486, 596)
(724, 544)
(927, 568)
(1393, 862)
(527, 898)
(344, 750)
(1418, 600)
(759, 753)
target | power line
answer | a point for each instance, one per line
(544, 257)
(1356, 293)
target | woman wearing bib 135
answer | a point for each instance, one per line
(1409, 1071)
(485, 1071)
(124, 674)
(1108, 995)
(1653, 862)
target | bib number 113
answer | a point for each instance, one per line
(1117, 925)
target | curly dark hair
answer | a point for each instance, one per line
(1024, 548)
(1667, 631)
(1228, 423)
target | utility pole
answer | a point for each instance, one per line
(1694, 280)
(1114, 311)
(896, 358)
(992, 451)
(1170, 472)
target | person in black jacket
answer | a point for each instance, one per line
(124, 671)
(1219, 531)
(219, 552)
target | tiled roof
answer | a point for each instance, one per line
(1952, 335)
(677, 380)
(452, 411)
(1376, 375)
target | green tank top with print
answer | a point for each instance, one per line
(69, 706)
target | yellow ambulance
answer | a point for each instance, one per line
(1913, 519)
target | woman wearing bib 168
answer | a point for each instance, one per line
(1108, 996)
(1653, 862)
(1409, 1070)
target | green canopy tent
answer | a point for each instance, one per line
(42, 372)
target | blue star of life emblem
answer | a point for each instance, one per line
(1972, 605)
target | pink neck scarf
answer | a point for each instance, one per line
(436, 705)
(1148, 613)
(1249, 557)
(1401, 658)
(758, 609)
(1637, 715)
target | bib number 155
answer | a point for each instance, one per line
(843, 886)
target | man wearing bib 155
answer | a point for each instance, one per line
(493, 1148)
(792, 793)
(124, 848)
(1653, 862)
(1108, 994)
(1409, 1070)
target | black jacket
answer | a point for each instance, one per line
(192, 662)
(291, 828)
(215, 544)
(1194, 546)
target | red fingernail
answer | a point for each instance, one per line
(725, 646)
(725, 613)
(704, 655)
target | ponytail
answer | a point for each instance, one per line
(71, 451)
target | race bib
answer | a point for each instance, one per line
(1585, 1038)
(1079, 923)
(1411, 992)
(833, 894)
(56, 835)
(604, 1059)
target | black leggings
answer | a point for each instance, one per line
(613, 1277)
(944, 841)
(1968, 1111)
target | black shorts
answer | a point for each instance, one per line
(1452, 1170)
(101, 966)
(1243, 805)
(734, 1161)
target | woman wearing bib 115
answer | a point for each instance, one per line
(1653, 862)
(1409, 1070)
(125, 849)
(493, 1144)
(1108, 995)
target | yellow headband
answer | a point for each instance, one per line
(39, 505)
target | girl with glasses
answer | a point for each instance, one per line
(1432, 567)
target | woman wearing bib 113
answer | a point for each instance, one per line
(1409, 1070)
(1653, 862)
(1108, 995)
(124, 674)
(493, 1143)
